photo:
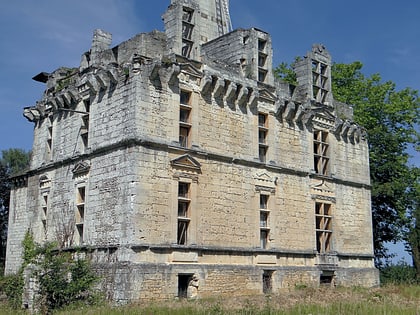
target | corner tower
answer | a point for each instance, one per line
(191, 23)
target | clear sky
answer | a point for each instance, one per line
(42, 35)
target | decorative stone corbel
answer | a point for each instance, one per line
(206, 84)
(32, 114)
(289, 110)
(219, 88)
(154, 74)
(242, 95)
(175, 70)
(345, 128)
(59, 102)
(230, 92)
(102, 79)
(300, 113)
(170, 74)
(253, 98)
(92, 83)
(352, 131)
(113, 75)
(338, 125)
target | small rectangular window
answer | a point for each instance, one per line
(184, 118)
(323, 226)
(262, 136)
(264, 238)
(267, 281)
(321, 153)
(183, 212)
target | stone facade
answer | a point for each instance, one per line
(182, 167)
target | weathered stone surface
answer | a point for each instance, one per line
(115, 139)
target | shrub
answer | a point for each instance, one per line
(401, 273)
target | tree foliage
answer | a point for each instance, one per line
(62, 278)
(391, 119)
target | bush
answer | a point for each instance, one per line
(63, 277)
(12, 287)
(401, 273)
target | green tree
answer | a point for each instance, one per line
(413, 238)
(391, 119)
(12, 162)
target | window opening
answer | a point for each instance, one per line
(262, 137)
(183, 283)
(319, 81)
(326, 278)
(80, 213)
(184, 118)
(44, 213)
(187, 15)
(184, 202)
(262, 74)
(264, 214)
(323, 227)
(321, 153)
(267, 280)
(261, 44)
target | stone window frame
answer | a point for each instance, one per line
(267, 281)
(80, 213)
(187, 24)
(85, 117)
(262, 137)
(185, 118)
(320, 83)
(184, 214)
(45, 185)
(321, 152)
(323, 226)
(264, 214)
(50, 130)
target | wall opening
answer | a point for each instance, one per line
(267, 281)
(326, 278)
(183, 282)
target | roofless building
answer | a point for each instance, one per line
(180, 165)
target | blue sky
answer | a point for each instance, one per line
(43, 35)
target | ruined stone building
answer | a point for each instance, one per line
(178, 155)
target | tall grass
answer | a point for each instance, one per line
(389, 300)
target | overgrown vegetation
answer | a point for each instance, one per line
(63, 278)
(390, 300)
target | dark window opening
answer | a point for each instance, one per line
(326, 278)
(267, 280)
(262, 153)
(183, 282)
(263, 239)
(182, 232)
(187, 15)
(323, 225)
(261, 44)
(321, 153)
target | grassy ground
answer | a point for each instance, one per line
(399, 300)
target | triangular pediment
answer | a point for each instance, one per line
(191, 70)
(186, 161)
(267, 95)
(323, 117)
(322, 187)
(81, 168)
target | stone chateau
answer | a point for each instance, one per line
(182, 167)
